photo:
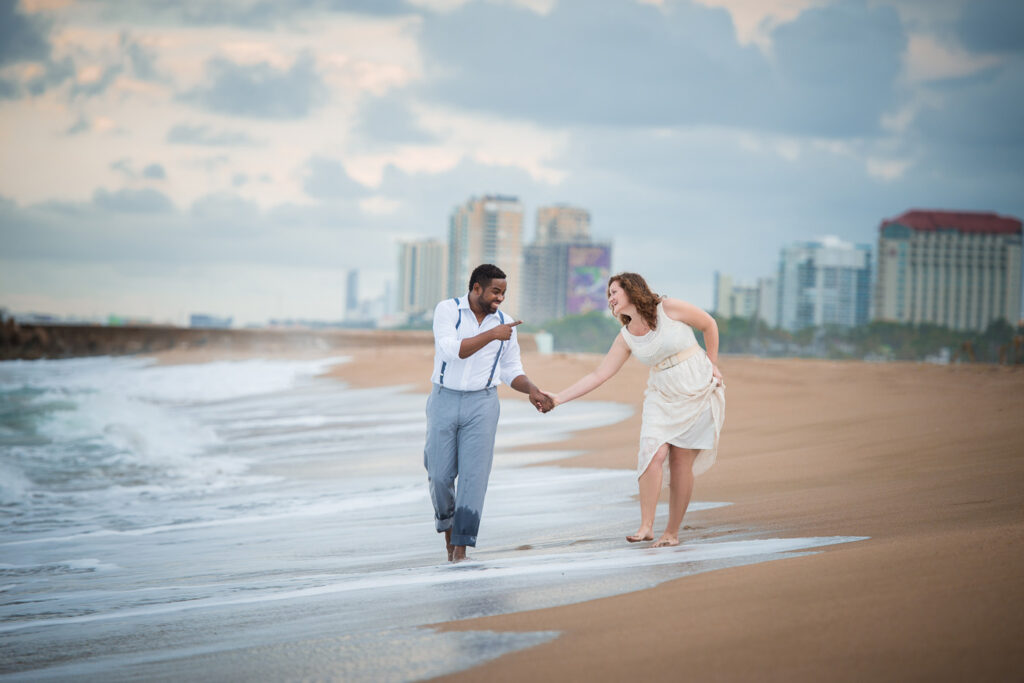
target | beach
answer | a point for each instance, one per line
(863, 521)
(926, 460)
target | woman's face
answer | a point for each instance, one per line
(617, 297)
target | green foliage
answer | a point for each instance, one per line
(591, 332)
(876, 340)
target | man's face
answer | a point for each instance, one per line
(491, 295)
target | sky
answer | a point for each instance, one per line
(161, 159)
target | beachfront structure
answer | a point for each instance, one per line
(564, 271)
(743, 301)
(352, 295)
(824, 282)
(486, 230)
(422, 276)
(958, 269)
(565, 278)
(562, 223)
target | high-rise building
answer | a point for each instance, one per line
(422, 276)
(486, 230)
(741, 301)
(825, 282)
(961, 270)
(562, 223)
(352, 295)
(565, 278)
(564, 271)
(768, 301)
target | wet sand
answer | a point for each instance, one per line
(927, 461)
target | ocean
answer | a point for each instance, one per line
(254, 520)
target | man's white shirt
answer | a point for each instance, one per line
(470, 374)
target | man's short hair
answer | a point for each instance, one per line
(484, 273)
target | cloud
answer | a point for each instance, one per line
(992, 26)
(228, 212)
(54, 73)
(388, 120)
(630, 65)
(327, 179)
(185, 134)
(127, 200)
(838, 68)
(22, 38)
(154, 172)
(142, 60)
(260, 90)
(258, 14)
(983, 112)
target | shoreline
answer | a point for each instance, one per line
(924, 460)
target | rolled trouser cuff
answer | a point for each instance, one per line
(461, 539)
(442, 524)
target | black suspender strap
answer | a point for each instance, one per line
(502, 319)
(458, 322)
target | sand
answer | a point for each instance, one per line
(927, 461)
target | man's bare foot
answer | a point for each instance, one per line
(642, 534)
(459, 553)
(666, 540)
(448, 543)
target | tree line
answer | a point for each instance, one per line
(1000, 342)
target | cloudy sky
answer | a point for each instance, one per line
(237, 158)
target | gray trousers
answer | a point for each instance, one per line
(460, 443)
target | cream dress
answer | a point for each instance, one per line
(683, 405)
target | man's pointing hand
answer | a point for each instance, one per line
(504, 332)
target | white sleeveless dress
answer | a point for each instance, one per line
(683, 405)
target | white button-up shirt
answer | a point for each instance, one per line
(470, 374)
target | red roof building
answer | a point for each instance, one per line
(962, 221)
(958, 269)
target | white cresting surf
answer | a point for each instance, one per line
(164, 521)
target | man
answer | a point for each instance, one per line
(475, 349)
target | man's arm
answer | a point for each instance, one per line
(471, 345)
(511, 372)
(538, 398)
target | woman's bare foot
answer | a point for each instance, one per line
(642, 534)
(448, 543)
(665, 541)
(459, 553)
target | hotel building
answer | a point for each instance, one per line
(564, 271)
(825, 282)
(487, 230)
(422, 276)
(961, 270)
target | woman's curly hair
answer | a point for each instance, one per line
(640, 295)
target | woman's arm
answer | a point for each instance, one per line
(610, 364)
(699, 319)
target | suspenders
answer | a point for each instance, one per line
(501, 317)
(444, 364)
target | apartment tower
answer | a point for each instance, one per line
(486, 230)
(422, 276)
(958, 269)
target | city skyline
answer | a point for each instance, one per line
(238, 159)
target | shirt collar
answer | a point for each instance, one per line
(464, 304)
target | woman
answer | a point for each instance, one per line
(684, 405)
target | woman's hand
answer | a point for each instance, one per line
(554, 398)
(717, 374)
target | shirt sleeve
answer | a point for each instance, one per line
(511, 365)
(446, 337)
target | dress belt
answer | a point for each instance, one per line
(677, 358)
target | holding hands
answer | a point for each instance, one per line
(541, 400)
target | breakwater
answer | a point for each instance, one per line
(32, 341)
